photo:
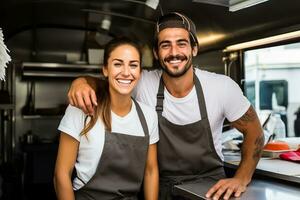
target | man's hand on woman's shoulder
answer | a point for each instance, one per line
(82, 94)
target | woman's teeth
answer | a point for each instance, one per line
(124, 81)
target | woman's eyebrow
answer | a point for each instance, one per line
(134, 61)
(117, 59)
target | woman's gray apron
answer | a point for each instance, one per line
(120, 171)
(186, 153)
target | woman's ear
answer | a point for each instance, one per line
(105, 72)
(195, 50)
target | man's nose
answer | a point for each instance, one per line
(174, 50)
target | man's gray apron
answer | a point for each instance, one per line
(120, 171)
(186, 153)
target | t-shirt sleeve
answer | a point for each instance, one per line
(153, 129)
(152, 122)
(72, 122)
(235, 104)
(136, 91)
(147, 87)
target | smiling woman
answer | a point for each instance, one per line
(111, 152)
(121, 65)
(123, 71)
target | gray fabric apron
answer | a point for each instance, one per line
(120, 171)
(186, 153)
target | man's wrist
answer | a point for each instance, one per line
(244, 177)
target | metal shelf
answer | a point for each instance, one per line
(59, 70)
(42, 116)
(59, 65)
(32, 73)
(7, 106)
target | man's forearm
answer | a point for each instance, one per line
(252, 146)
(250, 155)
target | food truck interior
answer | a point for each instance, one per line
(257, 43)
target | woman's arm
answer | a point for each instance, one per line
(66, 158)
(151, 174)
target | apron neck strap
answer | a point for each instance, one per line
(199, 91)
(141, 117)
(160, 97)
(200, 95)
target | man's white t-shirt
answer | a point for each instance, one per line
(223, 98)
(91, 147)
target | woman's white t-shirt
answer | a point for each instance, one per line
(91, 147)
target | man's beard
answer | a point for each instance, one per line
(177, 73)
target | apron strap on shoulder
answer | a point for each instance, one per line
(160, 97)
(142, 117)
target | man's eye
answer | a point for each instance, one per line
(117, 64)
(182, 44)
(164, 46)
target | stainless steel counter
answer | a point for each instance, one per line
(258, 189)
(274, 168)
(279, 181)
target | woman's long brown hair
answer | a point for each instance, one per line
(103, 110)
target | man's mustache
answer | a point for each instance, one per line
(176, 57)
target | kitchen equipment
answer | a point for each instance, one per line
(29, 138)
(274, 148)
(277, 145)
(297, 123)
(291, 156)
(28, 109)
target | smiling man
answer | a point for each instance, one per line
(170, 42)
(192, 105)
